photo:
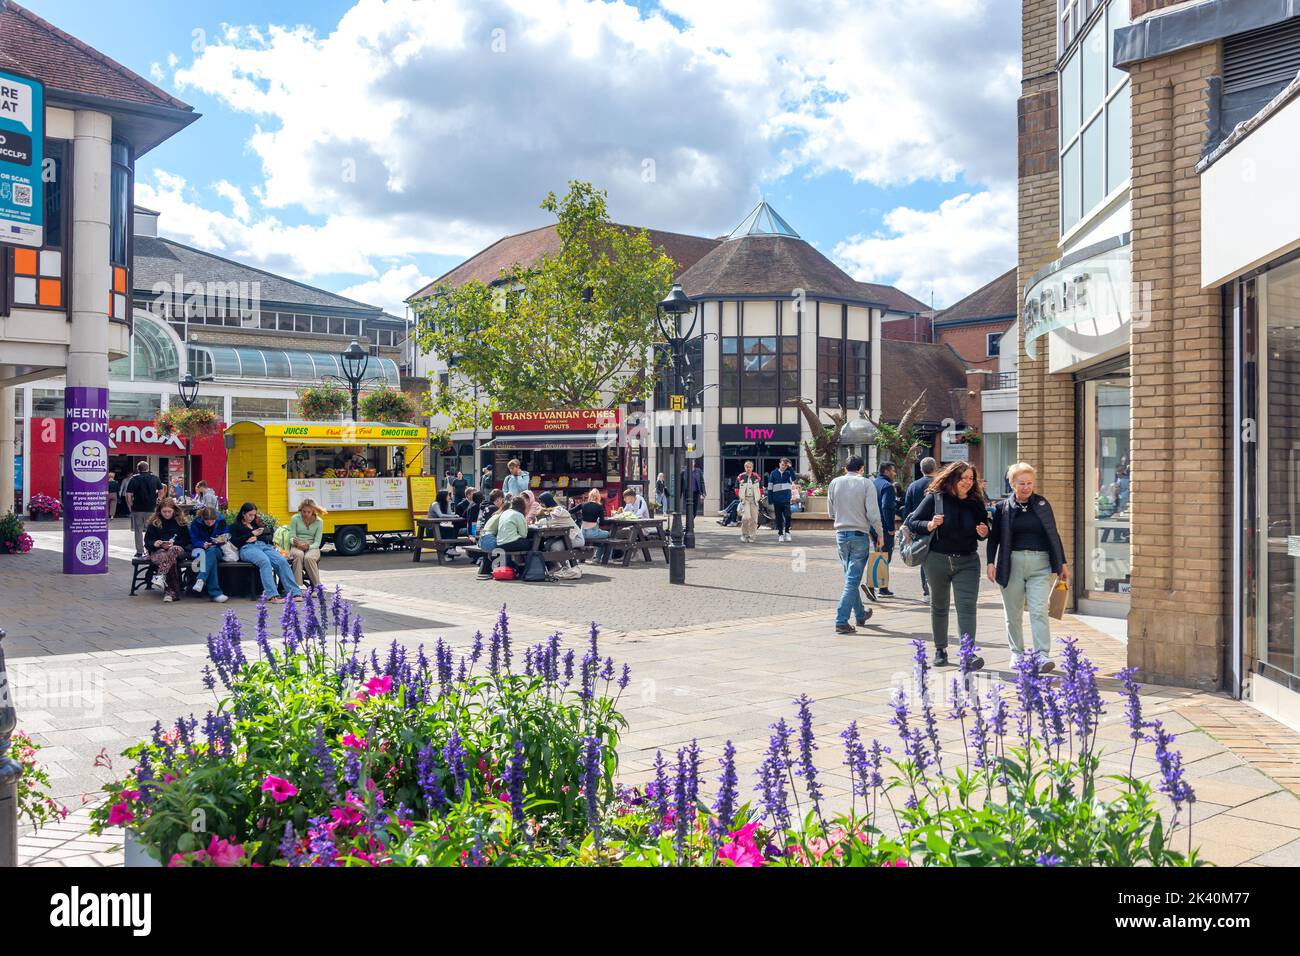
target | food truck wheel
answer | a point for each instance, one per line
(350, 541)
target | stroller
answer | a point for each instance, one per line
(731, 515)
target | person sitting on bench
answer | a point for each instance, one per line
(511, 533)
(441, 508)
(591, 512)
(207, 534)
(168, 541)
(554, 516)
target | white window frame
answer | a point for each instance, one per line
(1098, 114)
(992, 342)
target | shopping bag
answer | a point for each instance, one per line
(876, 574)
(1056, 603)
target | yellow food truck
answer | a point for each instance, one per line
(366, 475)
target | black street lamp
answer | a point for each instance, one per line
(668, 315)
(188, 388)
(355, 362)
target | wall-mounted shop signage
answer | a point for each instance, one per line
(22, 153)
(1086, 298)
(555, 420)
(752, 434)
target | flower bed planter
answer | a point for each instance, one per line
(814, 506)
(133, 851)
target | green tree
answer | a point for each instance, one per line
(574, 329)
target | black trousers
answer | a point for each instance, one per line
(782, 513)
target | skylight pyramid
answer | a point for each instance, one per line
(763, 221)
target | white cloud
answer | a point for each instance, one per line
(391, 289)
(419, 126)
(952, 251)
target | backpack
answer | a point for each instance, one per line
(534, 567)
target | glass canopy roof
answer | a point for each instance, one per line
(279, 365)
(763, 221)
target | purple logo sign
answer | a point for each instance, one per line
(85, 480)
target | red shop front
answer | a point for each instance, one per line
(128, 443)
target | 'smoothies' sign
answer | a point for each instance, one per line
(22, 149)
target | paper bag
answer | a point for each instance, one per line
(876, 573)
(1056, 602)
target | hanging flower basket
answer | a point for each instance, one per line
(322, 403)
(388, 405)
(190, 423)
(13, 539)
(44, 508)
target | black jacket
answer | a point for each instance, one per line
(241, 534)
(155, 536)
(914, 495)
(957, 535)
(999, 545)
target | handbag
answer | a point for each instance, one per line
(506, 573)
(916, 547)
(229, 552)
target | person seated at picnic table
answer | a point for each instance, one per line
(491, 505)
(510, 530)
(634, 504)
(590, 514)
(531, 507)
(473, 508)
(207, 534)
(167, 541)
(554, 515)
(248, 535)
(441, 508)
(205, 497)
(305, 532)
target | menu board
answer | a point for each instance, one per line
(424, 488)
(335, 493)
(300, 488)
(392, 493)
(365, 493)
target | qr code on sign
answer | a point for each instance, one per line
(22, 195)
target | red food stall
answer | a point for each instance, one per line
(568, 452)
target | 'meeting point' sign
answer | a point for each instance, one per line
(22, 147)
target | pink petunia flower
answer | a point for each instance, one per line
(279, 788)
(120, 815)
(225, 853)
(379, 685)
(353, 741)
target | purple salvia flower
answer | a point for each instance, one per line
(922, 671)
(875, 758)
(660, 795)
(1171, 767)
(325, 763)
(351, 768)
(494, 651)
(625, 678)
(772, 775)
(568, 668)
(209, 681)
(289, 849)
(291, 627)
(1133, 704)
(477, 650)
(426, 777)
(336, 605)
(515, 772)
(553, 657)
(462, 673)
(503, 625)
(591, 775)
(807, 768)
(957, 692)
(529, 654)
(594, 634)
(311, 621)
(454, 755)
(725, 809)
(681, 802)
(1029, 692)
(1048, 859)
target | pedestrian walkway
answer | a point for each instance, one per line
(94, 669)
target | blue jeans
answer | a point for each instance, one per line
(855, 548)
(595, 534)
(270, 563)
(211, 558)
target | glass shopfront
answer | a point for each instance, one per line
(1268, 310)
(1105, 463)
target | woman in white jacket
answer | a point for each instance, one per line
(749, 489)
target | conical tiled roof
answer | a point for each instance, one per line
(763, 221)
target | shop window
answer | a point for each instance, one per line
(134, 406)
(993, 347)
(1107, 468)
(830, 372)
(47, 403)
(242, 408)
(38, 274)
(1095, 114)
(857, 374)
(119, 232)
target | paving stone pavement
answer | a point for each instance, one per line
(718, 659)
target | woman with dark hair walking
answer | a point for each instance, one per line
(954, 514)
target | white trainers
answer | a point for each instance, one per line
(220, 599)
(199, 584)
(167, 599)
(159, 581)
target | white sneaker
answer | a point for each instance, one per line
(167, 599)
(159, 581)
(220, 599)
(199, 584)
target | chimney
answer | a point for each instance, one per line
(146, 222)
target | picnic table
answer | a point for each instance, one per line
(539, 540)
(634, 534)
(429, 538)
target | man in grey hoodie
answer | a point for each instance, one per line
(855, 509)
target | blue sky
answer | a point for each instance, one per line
(885, 137)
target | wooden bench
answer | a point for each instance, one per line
(428, 537)
(439, 546)
(561, 555)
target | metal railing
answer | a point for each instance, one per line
(1002, 380)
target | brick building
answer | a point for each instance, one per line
(1127, 373)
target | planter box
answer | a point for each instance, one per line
(43, 516)
(133, 852)
(814, 506)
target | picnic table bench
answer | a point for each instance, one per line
(632, 535)
(428, 537)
